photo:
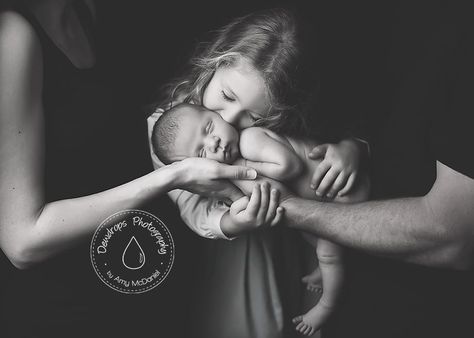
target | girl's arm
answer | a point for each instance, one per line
(270, 156)
(339, 169)
(32, 230)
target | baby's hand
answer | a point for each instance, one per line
(338, 170)
(246, 214)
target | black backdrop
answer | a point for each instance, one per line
(142, 44)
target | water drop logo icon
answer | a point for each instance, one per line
(132, 251)
(133, 257)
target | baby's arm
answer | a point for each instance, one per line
(210, 217)
(269, 154)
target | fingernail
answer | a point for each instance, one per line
(312, 186)
(318, 193)
(251, 174)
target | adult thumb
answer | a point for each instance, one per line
(240, 173)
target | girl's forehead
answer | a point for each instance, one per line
(246, 83)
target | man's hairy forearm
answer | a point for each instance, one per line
(402, 228)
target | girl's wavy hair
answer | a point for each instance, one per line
(271, 41)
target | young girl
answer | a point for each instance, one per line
(253, 73)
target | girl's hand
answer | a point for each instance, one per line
(211, 178)
(246, 214)
(337, 172)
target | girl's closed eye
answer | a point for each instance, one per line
(253, 117)
(227, 97)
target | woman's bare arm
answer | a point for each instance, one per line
(32, 230)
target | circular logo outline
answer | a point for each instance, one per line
(168, 268)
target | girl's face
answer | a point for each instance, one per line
(238, 94)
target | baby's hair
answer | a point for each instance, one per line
(270, 41)
(165, 132)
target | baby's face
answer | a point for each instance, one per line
(203, 133)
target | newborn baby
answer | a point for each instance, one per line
(188, 130)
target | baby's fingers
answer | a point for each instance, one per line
(338, 184)
(349, 184)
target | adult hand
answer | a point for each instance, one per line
(247, 186)
(211, 178)
(249, 213)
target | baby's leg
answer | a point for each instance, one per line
(312, 280)
(332, 272)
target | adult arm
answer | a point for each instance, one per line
(204, 215)
(32, 230)
(434, 230)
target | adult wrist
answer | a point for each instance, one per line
(173, 176)
(178, 175)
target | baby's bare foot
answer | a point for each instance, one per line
(313, 281)
(303, 327)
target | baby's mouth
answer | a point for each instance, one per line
(226, 151)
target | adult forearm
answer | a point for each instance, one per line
(405, 229)
(61, 224)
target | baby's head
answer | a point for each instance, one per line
(188, 130)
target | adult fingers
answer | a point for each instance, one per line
(264, 202)
(338, 184)
(239, 205)
(272, 205)
(254, 203)
(349, 184)
(280, 211)
(235, 172)
(327, 181)
(319, 173)
(318, 151)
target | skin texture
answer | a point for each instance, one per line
(236, 94)
(32, 230)
(203, 133)
(433, 230)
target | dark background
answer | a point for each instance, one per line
(142, 44)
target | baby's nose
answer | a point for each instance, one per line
(212, 142)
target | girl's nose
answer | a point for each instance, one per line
(231, 116)
(212, 143)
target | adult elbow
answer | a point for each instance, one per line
(20, 254)
(459, 255)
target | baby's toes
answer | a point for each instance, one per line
(297, 319)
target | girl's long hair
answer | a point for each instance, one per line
(272, 44)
